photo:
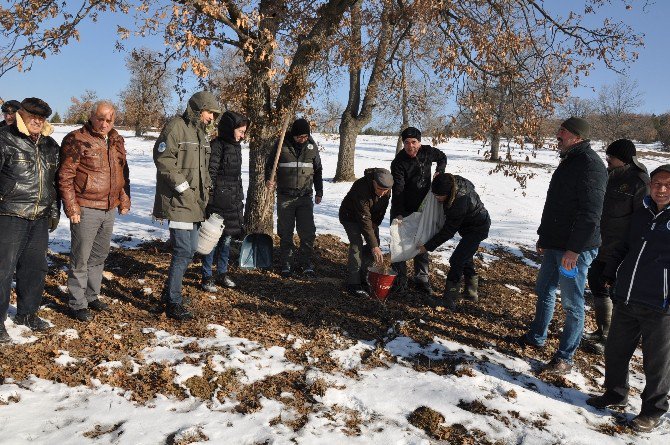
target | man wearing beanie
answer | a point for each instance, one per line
(627, 185)
(9, 110)
(411, 170)
(641, 311)
(569, 236)
(299, 173)
(464, 213)
(181, 154)
(361, 213)
(29, 209)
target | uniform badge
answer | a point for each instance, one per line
(161, 147)
(310, 147)
(624, 188)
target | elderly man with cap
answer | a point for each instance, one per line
(29, 208)
(464, 213)
(641, 301)
(298, 172)
(411, 169)
(569, 236)
(181, 155)
(361, 213)
(627, 185)
(9, 110)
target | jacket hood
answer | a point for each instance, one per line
(47, 128)
(203, 100)
(228, 123)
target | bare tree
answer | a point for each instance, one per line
(148, 92)
(282, 41)
(80, 108)
(615, 107)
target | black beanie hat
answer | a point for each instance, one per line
(622, 149)
(410, 132)
(662, 168)
(36, 106)
(11, 106)
(442, 184)
(300, 127)
(577, 126)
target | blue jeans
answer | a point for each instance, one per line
(223, 250)
(184, 245)
(572, 300)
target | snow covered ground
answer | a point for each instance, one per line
(45, 412)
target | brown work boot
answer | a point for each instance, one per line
(557, 366)
(645, 424)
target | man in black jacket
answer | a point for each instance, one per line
(411, 182)
(298, 171)
(627, 185)
(569, 236)
(29, 208)
(361, 213)
(641, 301)
(9, 110)
(464, 213)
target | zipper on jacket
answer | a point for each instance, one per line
(637, 261)
(665, 287)
(39, 180)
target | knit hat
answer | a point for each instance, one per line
(11, 106)
(442, 184)
(383, 178)
(410, 132)
(622, 149)
(300, 127)
(662, 168)
(577, 126)
(36, 106)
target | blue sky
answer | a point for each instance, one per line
(93, 63)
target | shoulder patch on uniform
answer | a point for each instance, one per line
(161, 147)
(310, 146)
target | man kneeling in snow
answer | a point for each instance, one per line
(361, 212)
(464, 213)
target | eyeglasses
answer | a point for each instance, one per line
(302, 137)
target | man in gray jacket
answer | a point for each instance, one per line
(181, 155)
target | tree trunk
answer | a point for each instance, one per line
(495, 146)
(404, 105)
(265, 119)
(349, 129)
(357, 115)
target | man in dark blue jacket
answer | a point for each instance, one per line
(641, 300)
(569, 236)
(627, 185)
(411, 183)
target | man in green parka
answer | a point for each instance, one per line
(181, 155)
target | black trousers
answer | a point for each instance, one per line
(597, 281)
(461, 261)
(360, 254)
(630, 323)
(421, 268)
(23, 248)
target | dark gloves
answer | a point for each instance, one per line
(53, 224)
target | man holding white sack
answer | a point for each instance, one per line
(411, 170)
(464, 213)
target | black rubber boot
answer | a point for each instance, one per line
(471, 291)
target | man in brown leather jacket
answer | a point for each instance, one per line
(93, 182)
